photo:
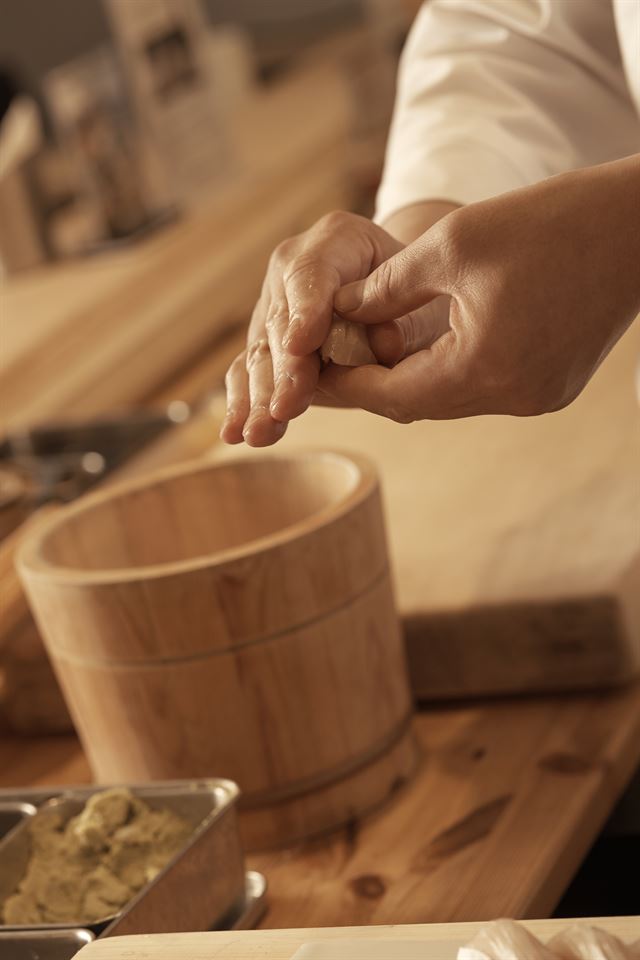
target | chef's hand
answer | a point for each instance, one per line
(543, 281)
(267, 385)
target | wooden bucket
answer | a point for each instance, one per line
(233, 620)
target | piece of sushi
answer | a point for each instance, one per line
(347, 344)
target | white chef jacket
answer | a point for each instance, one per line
(497, 94)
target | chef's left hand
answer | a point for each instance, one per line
(274, 379)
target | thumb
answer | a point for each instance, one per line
(418, 330)
(405, 282)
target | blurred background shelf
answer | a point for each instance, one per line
(98, 335)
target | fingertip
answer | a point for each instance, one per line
(288, 408)
(231, 432)
(279, 410)
(349, 298)
(292, 397)
(387, 342)
(263, 432)
(232, 426)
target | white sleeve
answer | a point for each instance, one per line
(497, 94)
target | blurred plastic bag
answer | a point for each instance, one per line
(588, 943)
(505, 940)
(508, 940)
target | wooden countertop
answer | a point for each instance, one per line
(508, 799)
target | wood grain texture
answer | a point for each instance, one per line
(441, 941)
(509, 797)
(515, 542)
(236, 619)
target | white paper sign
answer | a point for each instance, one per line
(166, 55)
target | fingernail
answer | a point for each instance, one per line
(275, 408)
(348, 298)
(283, 383)
(294, 329)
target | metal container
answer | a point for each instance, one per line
(51, 945)
(201, 887)
(12, 813)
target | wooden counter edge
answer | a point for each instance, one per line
(282, 944)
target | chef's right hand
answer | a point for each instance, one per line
(267, 385)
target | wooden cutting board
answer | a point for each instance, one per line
(440, 941)
(515, 542)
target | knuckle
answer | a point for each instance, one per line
(257, 351)
(282, 253)
(382, 281)
(300, 263)
(336, 220)
(277, 318)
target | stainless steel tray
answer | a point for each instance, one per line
(204, 886)
(64, 944)
(50, 945)
(12, 814)
(253, 907)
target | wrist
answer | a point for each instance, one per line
(409, 223)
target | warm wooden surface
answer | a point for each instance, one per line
(516, 542)
(438, 941)
(244, 614)
(508, 799)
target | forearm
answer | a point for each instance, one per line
(614, 198)
(408, 223)
(496, 95)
